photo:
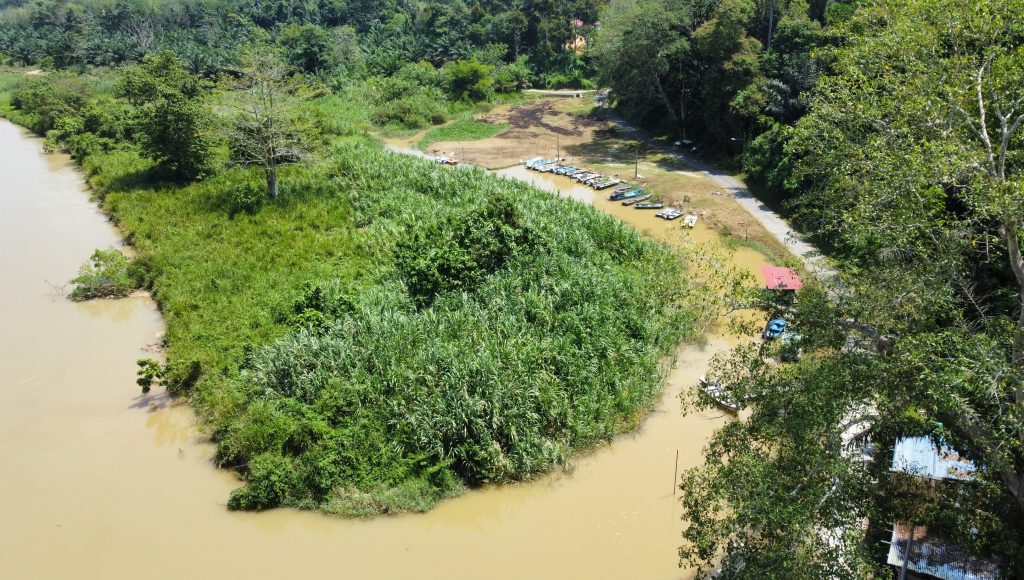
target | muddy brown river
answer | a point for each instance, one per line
(101, 482)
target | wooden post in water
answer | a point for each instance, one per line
(675, 475)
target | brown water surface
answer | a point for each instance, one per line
(100, 482)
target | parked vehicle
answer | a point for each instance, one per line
(774, 329)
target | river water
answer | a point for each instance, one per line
(101, 482)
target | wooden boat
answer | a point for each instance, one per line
(627, 195)
(578, 172)
(669, 214)
(690, 221)
(637, 199)
(718, 394)
(623, 189)
(536, 163)
(587, 176)
(547, 168)
(649, 206)
(597, 178)
(605, 184)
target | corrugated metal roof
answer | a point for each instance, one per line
(919, 456)
(779, 278)
(934, 557)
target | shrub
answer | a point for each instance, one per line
(412, 112)
(45, 99)
(269, 481)
(107, 274)
(468, 80)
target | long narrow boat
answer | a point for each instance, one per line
(537, 162)
(637, 199)
(577, 173)
(592, 180)
(547, 168)
(623, 189)
(690, 221)
(718, 394)
(583, 177)
(606, 183)
(669, 214)
(649, 206)
(629, 194)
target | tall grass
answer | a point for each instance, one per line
(330, 384)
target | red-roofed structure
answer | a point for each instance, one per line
(779, 278)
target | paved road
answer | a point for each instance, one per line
(811, 257)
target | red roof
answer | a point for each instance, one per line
(779, 278)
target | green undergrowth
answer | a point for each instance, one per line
(466, 129)
(107, 274)
(389, 332)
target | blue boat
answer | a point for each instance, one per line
(537, 162)
(774, 329)
(632, 193)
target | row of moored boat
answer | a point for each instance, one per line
(629, 195)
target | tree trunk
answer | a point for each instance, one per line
(272, 182)
(664, 99)
(682, 113)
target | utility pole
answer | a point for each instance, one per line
(906, 556)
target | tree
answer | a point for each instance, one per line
(468, 80)
(171, 117)
(912, 174)
(643, 54)
(268, 129)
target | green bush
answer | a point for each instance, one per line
(45, 99)
(107, 274)
(270, 479)
(468, 80)
(412, 112)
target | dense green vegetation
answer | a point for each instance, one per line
(333, 40)
(384, 331)
(908, 165)
(729, 74)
